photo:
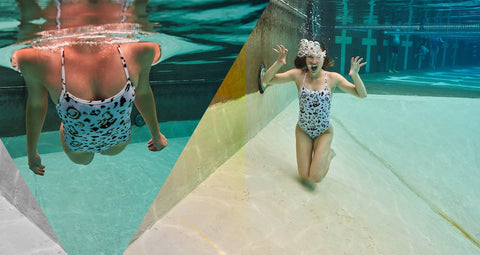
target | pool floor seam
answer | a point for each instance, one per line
(410, 187)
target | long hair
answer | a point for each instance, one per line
(301, 62)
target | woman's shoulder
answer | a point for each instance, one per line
(297, 75)
(296, 72)
(145, 46)
(333, 75)
(334, 79)
(32, 55)
(32, 58)
(149, 52)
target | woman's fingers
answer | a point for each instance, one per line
(357, 64)
(358, 60)
(280, 49)
(40, 170)
(281, 53)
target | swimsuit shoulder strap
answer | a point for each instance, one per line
(59, 13)
(304, 77)
(124, 63)
(326, 84)
(126, 4)
(62, 54)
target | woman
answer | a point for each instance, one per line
(93, 87)
(315, 86)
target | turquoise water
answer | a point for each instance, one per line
(96, 209)
(446, 82)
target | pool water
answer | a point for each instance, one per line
(96, 209)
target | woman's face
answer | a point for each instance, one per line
(314, 63)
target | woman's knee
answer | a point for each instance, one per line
(317, 173)
(84, 159)
(317, 176)
(314, 177)
(303, 175)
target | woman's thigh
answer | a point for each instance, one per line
(321, 155)
(117, 148)
(304, 145)
(83, 158)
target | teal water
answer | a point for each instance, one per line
(96, 209)
(447, 82)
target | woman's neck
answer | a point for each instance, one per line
(318, 74)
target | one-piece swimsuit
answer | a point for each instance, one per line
(314, 114)
(96, 125)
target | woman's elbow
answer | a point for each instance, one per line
(36, 106)
(362, 95)
(142, 92)
(265, 81)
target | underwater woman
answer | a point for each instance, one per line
(314, 132)
(93, 86)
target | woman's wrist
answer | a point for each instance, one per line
(157, 135)
(31, 153)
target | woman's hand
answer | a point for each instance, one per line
(281, 54)
(157, 144)
(356, 64)
(35, 164)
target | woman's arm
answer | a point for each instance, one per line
(271, 77)
(37, 104)
(144, 100)
(358, 88)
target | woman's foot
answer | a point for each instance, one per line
(332, 153)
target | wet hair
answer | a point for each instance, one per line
(301, 62)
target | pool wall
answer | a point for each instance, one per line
(14, 188)
(348, 33)
(235, 114)
(281, 23)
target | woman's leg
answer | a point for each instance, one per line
(304, 152)
(83, 158)
(117, 148)
(322, 155)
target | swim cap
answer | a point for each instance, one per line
(310, 48)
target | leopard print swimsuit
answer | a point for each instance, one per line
(314, 112)
(95, 126)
